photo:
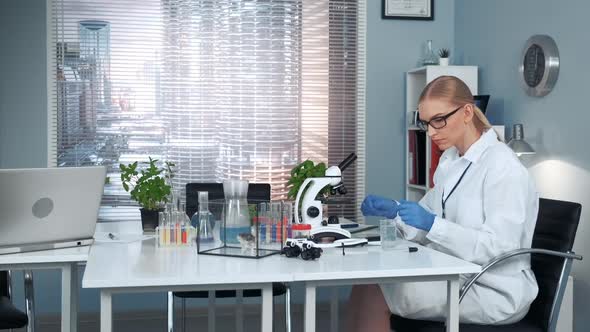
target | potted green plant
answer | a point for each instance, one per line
(303, 171)
(149, 187)
(444, 54)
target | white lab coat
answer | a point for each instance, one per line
(492, 211)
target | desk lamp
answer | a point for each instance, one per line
(517, 143)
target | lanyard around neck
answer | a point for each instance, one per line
(443, 200)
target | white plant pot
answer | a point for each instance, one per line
(444, 61)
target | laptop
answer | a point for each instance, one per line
(256, 192)
(49, 208)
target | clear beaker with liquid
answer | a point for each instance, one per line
(388, 233)
(236, 212)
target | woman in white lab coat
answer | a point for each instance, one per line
(483, 204)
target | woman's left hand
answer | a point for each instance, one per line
(415, 215)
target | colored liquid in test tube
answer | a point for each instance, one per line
(165, 234)
(184, 222)
(181, 225)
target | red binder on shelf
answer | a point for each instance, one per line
(435, 154)
(421, 152)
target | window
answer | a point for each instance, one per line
(222, 88)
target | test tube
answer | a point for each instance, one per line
(287, 218)
(262, 216)
(184, 233)
(171, 217)
(177, 229)
(164, 229)
(183, 223)
(276, 221)
(161, 227)
(268, 221)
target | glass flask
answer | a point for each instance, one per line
(203, 219)
(429, 58)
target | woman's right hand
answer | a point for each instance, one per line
(379, 206)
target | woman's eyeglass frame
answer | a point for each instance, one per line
(423, 125)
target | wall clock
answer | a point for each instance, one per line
(539, 66)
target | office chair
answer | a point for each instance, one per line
(256, 192)
(553, 240)
(10, 316)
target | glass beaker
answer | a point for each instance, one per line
(236, 212)
(388, 233)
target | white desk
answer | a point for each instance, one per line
(371, 265)
(64, 259)
(141, 267)
(67, 260)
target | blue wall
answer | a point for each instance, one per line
(23, 84)
(23, 103)
(491, 34)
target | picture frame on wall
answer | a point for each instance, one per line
(408, 9)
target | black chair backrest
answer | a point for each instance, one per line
(4, 283)
(256, 192)
(557, 223)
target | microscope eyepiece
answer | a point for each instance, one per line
(347, 161)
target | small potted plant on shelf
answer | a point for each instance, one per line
(149, 187)
(444, 54)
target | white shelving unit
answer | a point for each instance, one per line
(416, 80)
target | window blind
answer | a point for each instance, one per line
(221, 88)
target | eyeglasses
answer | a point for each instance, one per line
(438, 122)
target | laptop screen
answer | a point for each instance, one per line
(481, 101)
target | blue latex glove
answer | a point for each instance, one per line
(415, 215)
(379, 206)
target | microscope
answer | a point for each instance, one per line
(311, 207)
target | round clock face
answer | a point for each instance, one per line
(540, 65)
(534, 65)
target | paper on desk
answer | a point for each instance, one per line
(120, 237)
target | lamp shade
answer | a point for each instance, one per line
(517, 143)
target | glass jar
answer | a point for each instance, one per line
(301, 231)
